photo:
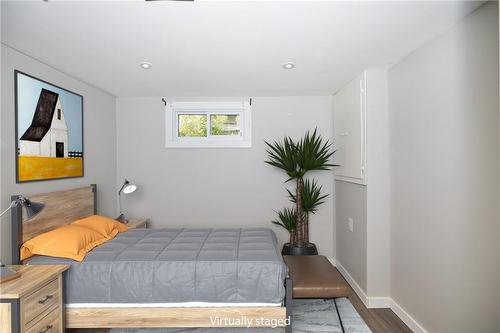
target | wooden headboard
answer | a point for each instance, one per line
(62, 207)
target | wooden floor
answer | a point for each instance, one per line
(379, 320)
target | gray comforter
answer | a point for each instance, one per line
(178, 265)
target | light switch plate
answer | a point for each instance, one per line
(350, 224)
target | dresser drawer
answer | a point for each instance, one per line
(51, 323)
(40, 301)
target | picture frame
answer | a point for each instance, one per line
(49, 142)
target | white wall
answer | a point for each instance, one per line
(445, 169)
(218, 187)
(363, 255)
(378, 208)
(99, 140)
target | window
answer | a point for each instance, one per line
(225, 124)
(208, 124)
(59, 114)
(192, 125)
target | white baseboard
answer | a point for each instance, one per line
(406, 318)
(369, 302)
(380, 302)
(355, 286)
(332, 261)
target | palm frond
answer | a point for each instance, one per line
(310, 195)
(313, 153)
(283, 155)
(286, 219)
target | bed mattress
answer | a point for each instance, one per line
(177, 266)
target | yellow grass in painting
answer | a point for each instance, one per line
(36, 167)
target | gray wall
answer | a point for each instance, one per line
(498, 204)
(218, 187)
(351, 246)
(444, 168)
(99, 140)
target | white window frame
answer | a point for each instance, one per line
(241, 108)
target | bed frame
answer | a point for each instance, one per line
(63, 207)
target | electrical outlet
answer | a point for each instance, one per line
(350, 224)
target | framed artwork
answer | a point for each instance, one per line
(49, 130)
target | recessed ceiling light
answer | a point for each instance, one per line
(146, 65)
(289, 65)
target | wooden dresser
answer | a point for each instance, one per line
(33, 303)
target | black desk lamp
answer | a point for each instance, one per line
(32, 208)
(126, 188)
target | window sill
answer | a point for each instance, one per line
(219, 144)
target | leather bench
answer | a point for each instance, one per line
(315, 277)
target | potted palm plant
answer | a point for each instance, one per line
(297, 159)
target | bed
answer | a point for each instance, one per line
(171, 277)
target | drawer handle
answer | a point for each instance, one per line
(45, 299)
(46, 329)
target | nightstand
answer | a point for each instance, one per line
(138, 223)
(32, 303)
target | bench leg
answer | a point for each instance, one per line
(338, 315)
(288, 303)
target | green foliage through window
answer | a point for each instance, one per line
(225, 124)
(192, 125)
(195, 125)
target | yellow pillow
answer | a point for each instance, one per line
(104, 225)
(69, 241)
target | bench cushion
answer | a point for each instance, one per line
(315, 277)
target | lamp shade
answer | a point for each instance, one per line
(33, 208)
(129, 188)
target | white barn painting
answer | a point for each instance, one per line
(47, 136)
(49, 129)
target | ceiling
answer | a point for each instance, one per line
(215, 48)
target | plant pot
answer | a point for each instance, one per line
(295, 250)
